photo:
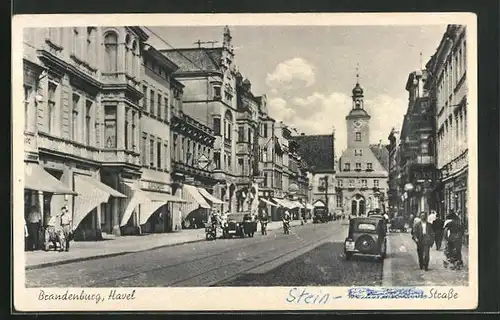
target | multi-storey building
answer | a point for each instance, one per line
(394, 194)
(417, 169)
(209, 79)
(81, 85)
(361, 178)
(317, 155)
(448, 86)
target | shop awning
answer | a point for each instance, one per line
(36, 178)
(298, 204)
(268, 202)
(149, 202)
(197, 197)
(90, 196)
(309, 206)
(280, 202)
(98, 184)
(210, 197)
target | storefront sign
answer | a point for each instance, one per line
(427, 175)
(155, 186)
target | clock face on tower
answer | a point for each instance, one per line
(358, 124)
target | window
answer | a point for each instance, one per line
(176, 151)
(358, 152)
(376, 183)
(264, 154)
(241, 166)
(358, 166)
(347, 167)
(76, 41)
(159, 165)
(74, 117)
(228, 118)
(165, 109)
(144, 150)
(126, 127)
(165, 156)
(110, 126)
(249, 136)
(351, 183)
(265, 179)
(159, 106)
(111, 53)
(133, 130)
(145, 97)
(358, 136)
(90, 45)
(340, 183)
(88, 121)
(369, 166)
(265, 130)
(151, 152)
(229, 162)
(152, 102)
(338, 200)
(217, 126)
(27, 97)
(217, 159)
(51, 104)
(364, 183)
(217, 92)
(241, 134)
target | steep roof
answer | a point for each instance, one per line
(381, 152)
(317, 151)
(194, 59)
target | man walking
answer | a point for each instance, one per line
(437, 227)
(34, 224)
(423, 237)
(66, 226)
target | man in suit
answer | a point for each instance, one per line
(437, 227)
(423, 236)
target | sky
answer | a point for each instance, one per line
(308, 72)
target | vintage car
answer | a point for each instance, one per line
(367, 236)
(321, 214)
(398, 223)
(239, 224)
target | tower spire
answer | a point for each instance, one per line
(421, 60)
(357, 73)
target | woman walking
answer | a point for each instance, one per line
(453, 233)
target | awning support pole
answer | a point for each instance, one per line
(116, 217)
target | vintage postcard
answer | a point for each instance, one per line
(245, 162)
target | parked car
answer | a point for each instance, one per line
(366, 236)
(321, 214)
(398, 223)
(239, 224)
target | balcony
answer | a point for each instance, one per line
(243, 148)
(59, 145)
(180, 167)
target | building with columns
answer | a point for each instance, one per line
(361, 179)
(448, 88)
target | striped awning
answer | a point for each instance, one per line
(309, 206)
(281, 202)
(195, 194)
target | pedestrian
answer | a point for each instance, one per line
(432, 216)
(52, 232)
(34, 226)
(437, 227)
(66, 225)
(453, 233)
(423, 237)
(26, 236)
(386, 221)
(416, 220)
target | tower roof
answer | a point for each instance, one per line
(357, 91)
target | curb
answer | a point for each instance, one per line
(387, 266)
(115, 254)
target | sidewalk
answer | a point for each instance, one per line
(114, 246)
(401, 265)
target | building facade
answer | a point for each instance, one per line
(417, 154)
(394, 196)
(79, 84)
(209, 79)
(448, 85)
(361, 178)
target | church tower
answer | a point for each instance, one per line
(358, 120)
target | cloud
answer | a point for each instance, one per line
(320, 113)
(289, 71)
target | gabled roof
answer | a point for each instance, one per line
(382, 154)
(317, 151)
(194, 59)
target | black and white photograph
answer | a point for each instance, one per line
(197, 160)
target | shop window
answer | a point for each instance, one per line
(110, 126)
(111, 52)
